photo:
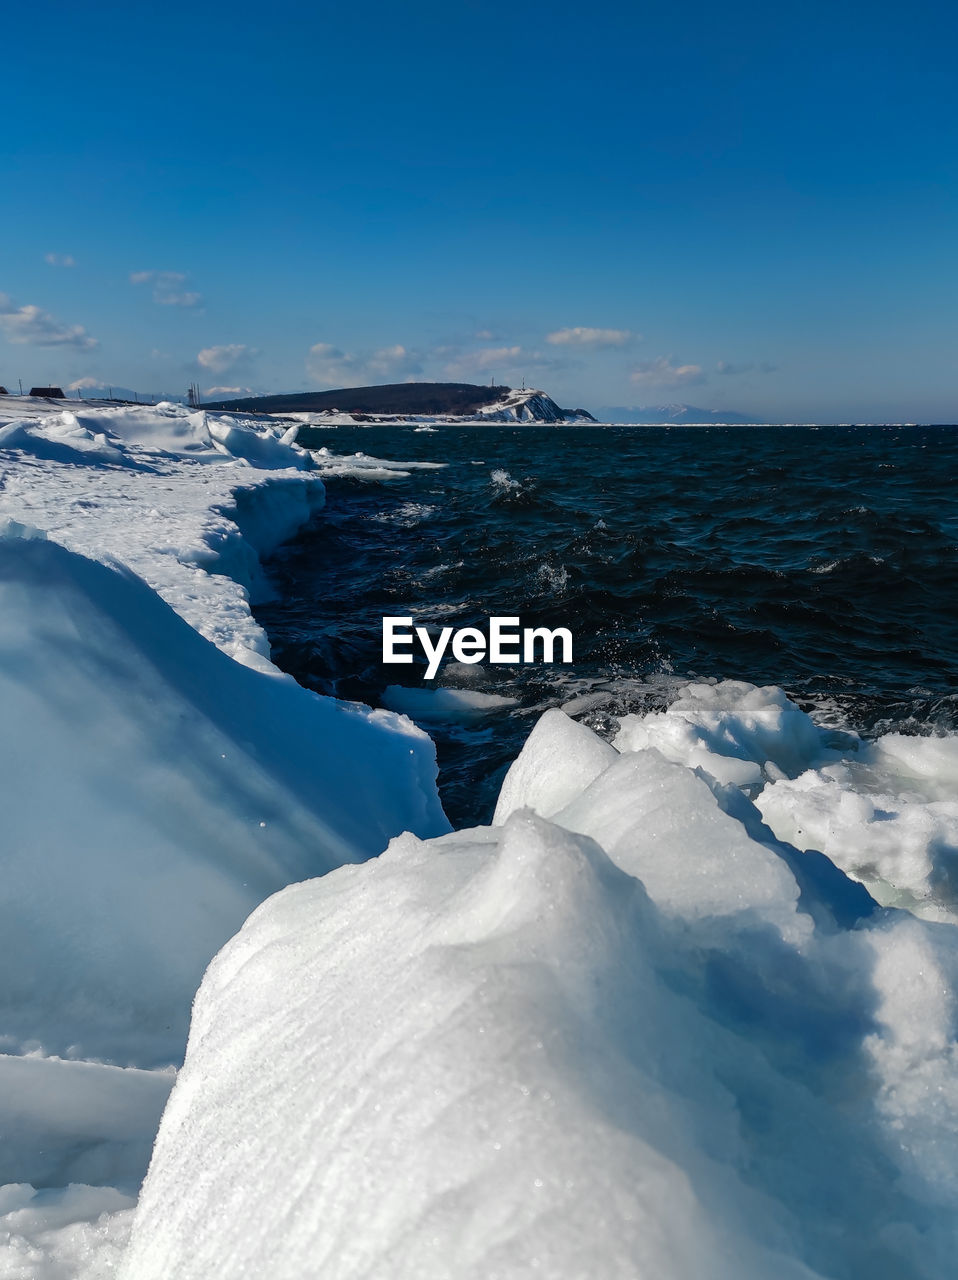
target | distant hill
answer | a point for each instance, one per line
(440, 398)
(677, 413)
(415, 400)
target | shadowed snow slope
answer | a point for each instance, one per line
(641, 1040)
(158, 791)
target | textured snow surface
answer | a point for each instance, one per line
(72, 1233)
(187, 500)
(884, 811)
(159, 778)
(641, 1039)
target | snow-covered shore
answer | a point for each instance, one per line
(160, 776)
(626, 1031)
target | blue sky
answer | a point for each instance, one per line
(750, 207)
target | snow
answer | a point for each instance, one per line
(525, 405)
(189, 515)
(665, 1017)
(559, 759)
(161, 777)
(642, 1046)
(886, 811)
(735, 731)
(74, 1233)
(888, 816)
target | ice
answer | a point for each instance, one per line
(431, 706)
(152, 488)
(559, 759)
(65, 1120)
(888, 816)
(74, 1233)
(736, 732)
(662, 824)
(155, 788)
(502, 1052)
(886, 811)
(157, 791)
(361, 466)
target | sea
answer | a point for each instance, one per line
(822, 559)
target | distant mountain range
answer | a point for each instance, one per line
(415, 400)
(677, 413)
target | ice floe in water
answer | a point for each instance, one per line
(433, 705)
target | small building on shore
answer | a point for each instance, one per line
(48, 393)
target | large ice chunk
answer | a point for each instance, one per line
(734, 731)
(888, 816)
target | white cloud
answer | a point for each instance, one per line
(490, 357)
(60, 259)
(330, 366)
(228, 356)
(84, 384)
(31, 325)
(222, 393)
(663, 373)
(168, 288)
(465, 366)
(502, 362)
(580, 336)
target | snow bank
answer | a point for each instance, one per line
(629, 1030)
(189, 501)
(644, 1038)
(154, 789)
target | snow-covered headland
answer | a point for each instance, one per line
(522, 407)
(625, 1031)
(428, 403)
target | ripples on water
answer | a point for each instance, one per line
(823, 560)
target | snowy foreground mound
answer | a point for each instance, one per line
(159, 779)
(622, 1033)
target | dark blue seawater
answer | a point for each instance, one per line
(820, 559)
